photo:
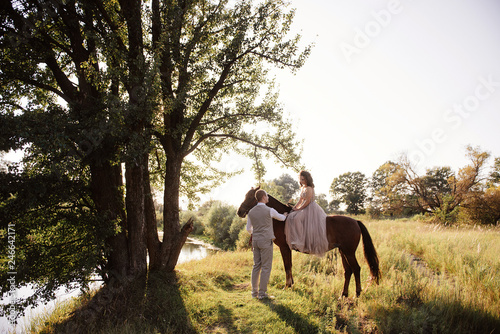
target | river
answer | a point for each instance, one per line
(193, 249)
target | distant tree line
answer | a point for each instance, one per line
(395, 189)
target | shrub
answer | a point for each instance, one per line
(218, 222)
(198, 226)
(483, 207)
(243, 242)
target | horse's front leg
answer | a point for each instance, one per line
(286, 254)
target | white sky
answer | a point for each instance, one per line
(387, 77)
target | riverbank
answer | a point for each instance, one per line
(194, 249)
(195, 241)
(435, 279)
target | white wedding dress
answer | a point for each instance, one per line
(305, 229)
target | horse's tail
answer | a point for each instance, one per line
(370, 253)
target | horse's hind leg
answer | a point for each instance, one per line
(351, 266)
(347, 274)
(357, 273)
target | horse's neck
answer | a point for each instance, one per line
(277, 205)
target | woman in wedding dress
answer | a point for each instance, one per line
(305, 227)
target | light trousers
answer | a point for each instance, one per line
(262, 265)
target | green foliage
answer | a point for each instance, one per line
(62, 107)
(57, 237)
(334, 206)
(222, 225)
(443, 213)
(243, 242)
(494, 178)
(215, 96)
(237, 225)
(198, 226)
(386, 194)
(283, 188)
(350, 189)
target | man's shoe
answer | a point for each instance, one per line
(266, 296)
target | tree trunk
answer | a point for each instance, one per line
(136, 115)
(106, 183)
(136, 217)
(152, 240)
(174, 236)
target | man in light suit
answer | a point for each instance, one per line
(260, 225)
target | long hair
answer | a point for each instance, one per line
(308, 177)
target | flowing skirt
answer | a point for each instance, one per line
(305, 230)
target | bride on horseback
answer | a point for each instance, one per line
(305, 227)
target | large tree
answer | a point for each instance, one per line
(62, 102)
(440, 188)
(350, 189)
(387, 197)
(90, 86)
(211, 62)
(494, 178)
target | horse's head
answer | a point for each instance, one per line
(249, 202)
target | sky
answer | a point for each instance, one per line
(386, 78)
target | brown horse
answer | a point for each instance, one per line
(343, 233)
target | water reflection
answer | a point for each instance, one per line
(195, 250)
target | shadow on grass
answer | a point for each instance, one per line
(225, 319)
(413, 315)
(152, 305)
(292, 319)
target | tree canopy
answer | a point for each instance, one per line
(350, 189)
(284, 188)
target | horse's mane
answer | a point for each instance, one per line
(277, 205)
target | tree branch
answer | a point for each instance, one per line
(205, 106)
(112, 25)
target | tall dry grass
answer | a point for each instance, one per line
(435, 280)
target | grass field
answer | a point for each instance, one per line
(435, 280)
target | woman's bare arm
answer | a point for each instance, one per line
(306, 200)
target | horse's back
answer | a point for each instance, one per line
(343, 232)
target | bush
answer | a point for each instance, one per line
(374, 212)
(443, 214)
(238, 224)
(219, 225)
(483, 207)
(198, 226)
(243, 242)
